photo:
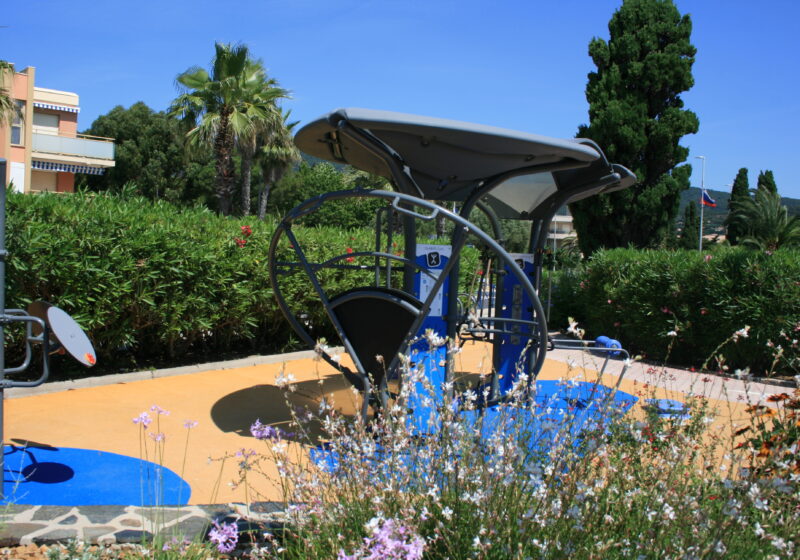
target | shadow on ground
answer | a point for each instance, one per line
(274, 406)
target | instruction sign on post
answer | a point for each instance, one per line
(433, 258)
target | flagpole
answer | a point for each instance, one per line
(702, 190)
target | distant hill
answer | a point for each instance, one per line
(714, 218)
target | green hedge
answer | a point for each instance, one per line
(157, 284)
(640, 296)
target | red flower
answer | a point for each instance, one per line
(350, 259)
(247, 231)
(240, 242)
(703, 311)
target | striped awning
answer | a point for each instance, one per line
(66, 167)
(56, 107)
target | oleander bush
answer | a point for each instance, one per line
(156, 284)
(643, 298)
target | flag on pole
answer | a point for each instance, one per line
(707, 200)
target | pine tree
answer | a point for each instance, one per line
(636, 115)
(690, 235)
(739, 192)
(766, 180)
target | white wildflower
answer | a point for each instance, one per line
(284, 379)
(741, 333)
(759, 530)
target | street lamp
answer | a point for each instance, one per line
(702, 190)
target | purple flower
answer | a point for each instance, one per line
(189, 424)
(390, 540)
(158, 410)
(175, 544)
(262, 431)
(143, 419)
(224, 536)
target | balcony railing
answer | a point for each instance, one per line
(86, 146)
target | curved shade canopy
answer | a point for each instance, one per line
(441, 159)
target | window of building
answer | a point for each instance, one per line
(45, 123)
(16, 123)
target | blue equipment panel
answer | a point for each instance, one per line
(433, 359)
(513, 354)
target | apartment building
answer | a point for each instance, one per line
(41, 144)
(561, 229)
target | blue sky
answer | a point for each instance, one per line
(515, 64)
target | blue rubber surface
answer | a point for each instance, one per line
(81, 477)
(562, 410)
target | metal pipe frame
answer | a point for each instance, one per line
(404, 204)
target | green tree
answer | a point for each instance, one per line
(766, 222)
(275, 158)
(227, 105)
(149, 152)
(740, 191)
(308, 181)
(766, 180)
(636, 115)
(690, 234)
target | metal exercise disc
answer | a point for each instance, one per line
(71, 336)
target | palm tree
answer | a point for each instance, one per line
(226, 105)
(276, 157)
(260, 134)
(8, 108)
(766, 221)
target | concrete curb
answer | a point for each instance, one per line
(56, 386)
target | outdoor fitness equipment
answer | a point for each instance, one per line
(46, 326)
(440, 170)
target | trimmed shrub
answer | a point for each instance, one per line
(147, 280)
(154, 284)
(639, 297)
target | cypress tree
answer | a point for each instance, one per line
(767, 181)
(636, 115)
(690, 235)
(740, 191)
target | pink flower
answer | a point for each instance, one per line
(240, 242)
(707, 258)
(143, 419)
(247, 231)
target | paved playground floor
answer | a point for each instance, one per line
(86, 428)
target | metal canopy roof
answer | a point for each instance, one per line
(441, 159)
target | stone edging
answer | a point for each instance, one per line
(112, 525)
